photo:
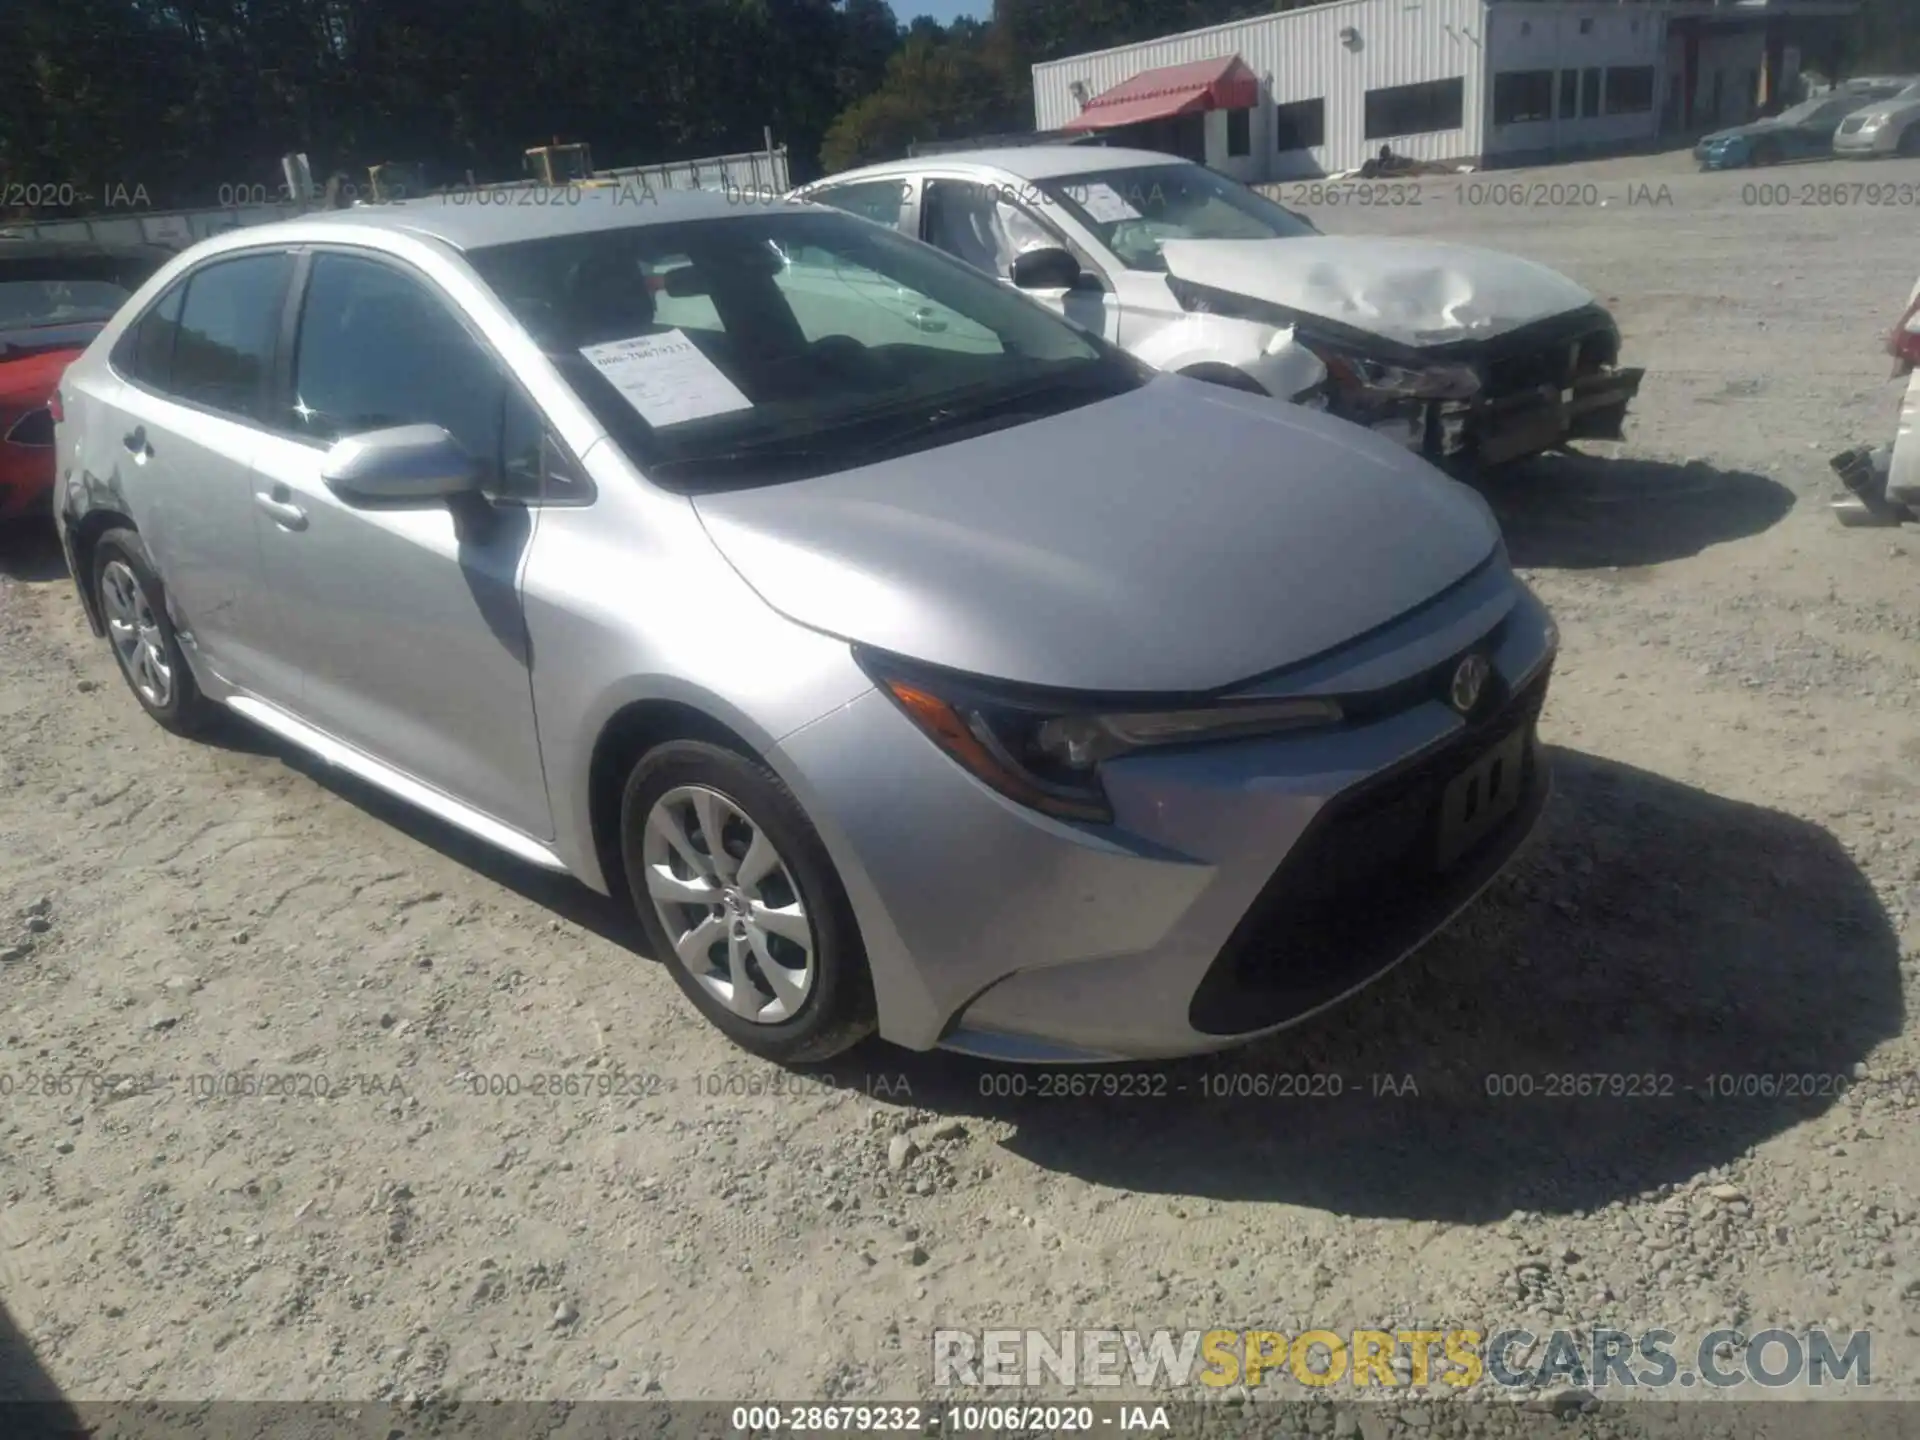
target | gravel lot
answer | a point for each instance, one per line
(1727, 884)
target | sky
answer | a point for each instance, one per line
(944, 11)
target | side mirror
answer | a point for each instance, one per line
(1048, 269)
(406, 465)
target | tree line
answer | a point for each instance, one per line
(187, 99)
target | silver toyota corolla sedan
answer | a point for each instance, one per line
(912, 659)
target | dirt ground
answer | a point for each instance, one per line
(1727, 885)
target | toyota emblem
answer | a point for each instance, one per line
(1469, 679)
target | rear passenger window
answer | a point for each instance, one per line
(223, 351)
(145, 352)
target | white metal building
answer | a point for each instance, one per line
(1322, 89)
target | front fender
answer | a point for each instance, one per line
(1270, 357)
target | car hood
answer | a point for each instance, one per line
(1416, 292)
(1180, 537)
(1738, 132)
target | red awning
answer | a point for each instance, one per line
(1173, 90)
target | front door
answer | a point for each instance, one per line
(407, 621)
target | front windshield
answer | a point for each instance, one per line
(780, 342)
(1132, 209)
(34, 304)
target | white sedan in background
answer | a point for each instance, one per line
(1452, 350)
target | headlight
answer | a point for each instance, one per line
(1372, 381)
(1045, 752)
(1874, 122)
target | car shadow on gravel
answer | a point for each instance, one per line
(1584, 1033)
(1585, 512)
(30, 551)
(31, 1405)
(565, 896)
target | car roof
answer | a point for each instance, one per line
(1029, 162)
(464, 220)
(12, 249)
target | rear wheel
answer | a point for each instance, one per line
(740, 901)
(133, 607)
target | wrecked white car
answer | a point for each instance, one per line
(1454, 351)
(1885, 480)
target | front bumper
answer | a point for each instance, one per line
(1508, 427)
(996, 931)
(1723, 157)
(1867, 144)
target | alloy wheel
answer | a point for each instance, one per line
(728, 904)
(136, 634)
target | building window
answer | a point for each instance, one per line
(1522, 95)
(1416, 109)
(1239, 132)
(1569, 94)
(1590, 93)
(1300, 126)
(1629, 89)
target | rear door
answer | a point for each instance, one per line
(180, 435)
(407, 621)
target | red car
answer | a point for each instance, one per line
(54, 298)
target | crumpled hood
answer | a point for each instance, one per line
(1416, 292)
(1180, 537)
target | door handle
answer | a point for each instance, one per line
(284, 512)
(136, 443)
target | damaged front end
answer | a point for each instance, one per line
(1487, 400)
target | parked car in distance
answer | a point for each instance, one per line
(1800, 132)
(54, 298)
(1452, 351)
(1885, 127)
(931, 666)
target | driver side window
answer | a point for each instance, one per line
(376, 349)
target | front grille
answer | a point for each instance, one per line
(1847, 127)
(1361, 888)
(1557, 365)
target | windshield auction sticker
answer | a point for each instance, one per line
(1105, 204)
(666, 378)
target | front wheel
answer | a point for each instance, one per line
(1766, 153)
(739, 898)
(1909, 146)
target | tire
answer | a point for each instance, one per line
(788, 1023)
(1225, 376)
(1765, 153)
(1909, 146)
(133, 606)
